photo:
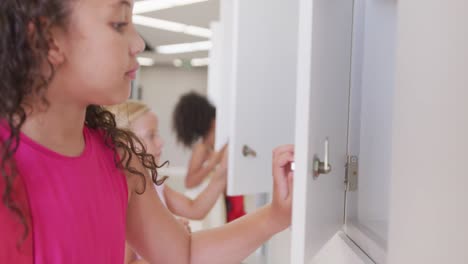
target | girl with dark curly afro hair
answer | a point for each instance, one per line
(194, 121)
(73, 185)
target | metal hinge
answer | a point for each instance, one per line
(352, 173)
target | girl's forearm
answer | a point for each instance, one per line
(193, 179)
(206, 200)
(198, 208)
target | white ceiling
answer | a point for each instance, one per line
(198, 14)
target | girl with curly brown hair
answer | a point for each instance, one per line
(74, 186)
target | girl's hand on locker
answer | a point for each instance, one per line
(281, 204)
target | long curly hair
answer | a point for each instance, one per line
(24, 31)
(192, 118)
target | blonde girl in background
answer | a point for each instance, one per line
(138, 118)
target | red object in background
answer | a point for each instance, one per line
(234, 207)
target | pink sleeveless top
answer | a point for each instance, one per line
(77, 204)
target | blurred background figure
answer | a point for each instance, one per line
(194, 122)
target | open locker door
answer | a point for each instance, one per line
(322, 114)
(262, 84)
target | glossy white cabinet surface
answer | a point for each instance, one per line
(218, 92)
(260, 43)
(324, 69)
(346, 84)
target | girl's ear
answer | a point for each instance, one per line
(56, 55)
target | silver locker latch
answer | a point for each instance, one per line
(352, 173)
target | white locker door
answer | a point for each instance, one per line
(325, 37)
(217, 90)
(262, 84)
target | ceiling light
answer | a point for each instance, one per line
(185, 47)
(145, 61)
(171, 26)
(200, 62)
(154, 5)
(178, 62)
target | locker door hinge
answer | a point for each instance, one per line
(352, 173)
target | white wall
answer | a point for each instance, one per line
(162, 87)
(428, 204)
